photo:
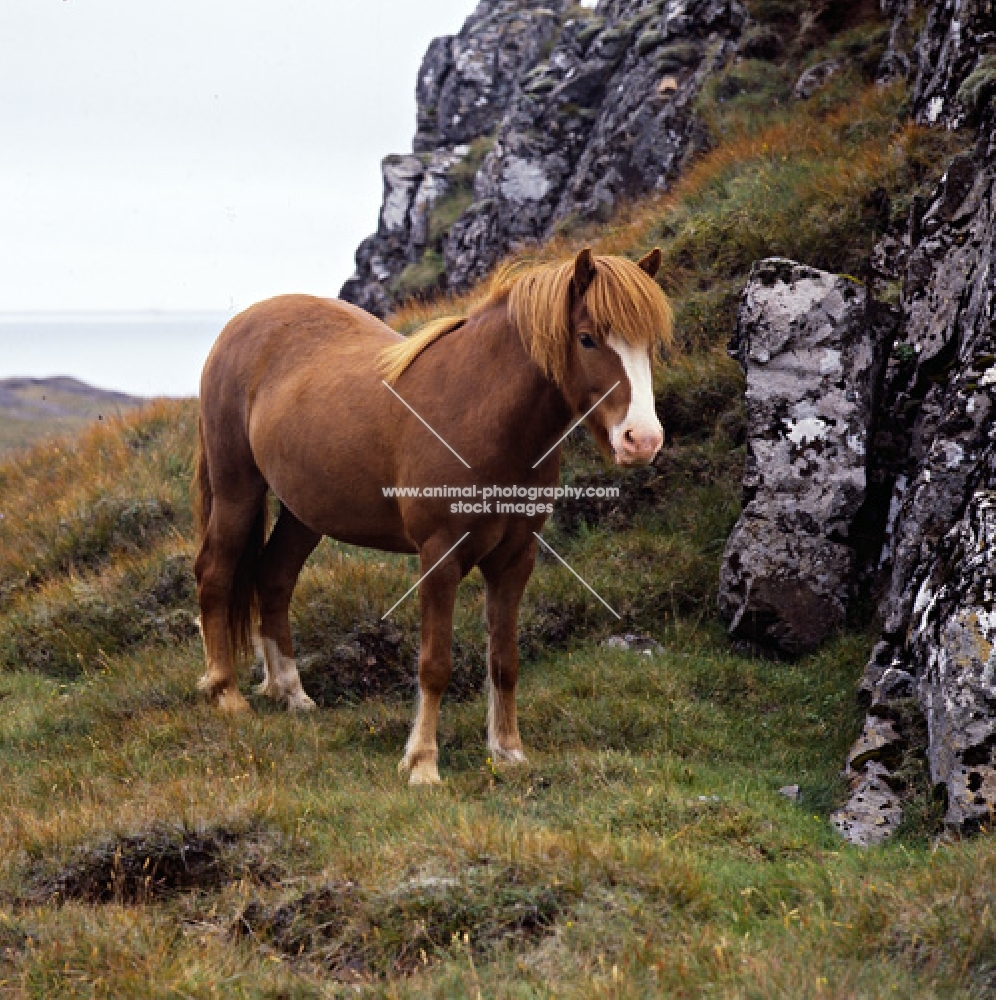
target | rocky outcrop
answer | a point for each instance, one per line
(465, 87)
(805, 342)
(941, 389)
(939, 449)
(952, 645)
(931, 463)
(536, 114)
(954, 61)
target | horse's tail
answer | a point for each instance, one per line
(202, 495)
(242, 605)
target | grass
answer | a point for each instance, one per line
(75, 504)
(151, 848)
(644, 850)
(421, 277)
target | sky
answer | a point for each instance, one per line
(197, 154)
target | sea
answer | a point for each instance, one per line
(140, 353)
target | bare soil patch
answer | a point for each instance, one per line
(355, 934)
(157, 864)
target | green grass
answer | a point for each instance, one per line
(647, 836)
(150, 847)
(421, 277)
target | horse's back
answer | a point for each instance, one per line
(279, 336)
(285, 348)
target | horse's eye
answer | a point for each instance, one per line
(587, 341)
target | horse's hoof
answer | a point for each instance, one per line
(513, 757)
(300, 702)
(231, 702)
(425, 773)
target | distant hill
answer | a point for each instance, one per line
(32, 409)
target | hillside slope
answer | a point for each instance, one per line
(32, 409)
(852, 139)
(151, 847)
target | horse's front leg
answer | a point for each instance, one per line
(506, 572)
(437, 594)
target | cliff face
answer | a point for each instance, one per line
(938, 644)
(920, 531)
(535, 115)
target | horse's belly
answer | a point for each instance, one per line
(337, 502)
(331, 476)
(355, 517)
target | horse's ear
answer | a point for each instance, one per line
(584, 272)
(652, 262)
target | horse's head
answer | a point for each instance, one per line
(606, 371)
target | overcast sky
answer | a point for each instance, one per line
(198, 154)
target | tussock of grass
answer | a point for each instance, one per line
(73, 624)
(121, 488)
(358, 935)
(420, 278)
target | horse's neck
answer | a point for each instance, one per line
(526, 409)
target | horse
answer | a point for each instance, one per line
(324, 405)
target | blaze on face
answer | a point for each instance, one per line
(613, 376)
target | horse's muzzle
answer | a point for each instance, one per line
(638, 446)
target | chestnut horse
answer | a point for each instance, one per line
(324, 405)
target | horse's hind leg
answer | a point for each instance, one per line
(232, 533)
(288, 547)
(505, 577)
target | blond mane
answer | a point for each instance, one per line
(622, 299)
(393, 361)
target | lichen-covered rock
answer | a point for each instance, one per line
(939, 398)
(953, 641)
(816, 77)
(584, 106)
(413, 185)
(874, 809)
(467, 81)
(951, 63)
(465, 86)
(954, 43)
(938, 374)
(895, 63)
(804, 341)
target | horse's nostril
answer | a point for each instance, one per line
(636, 441)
